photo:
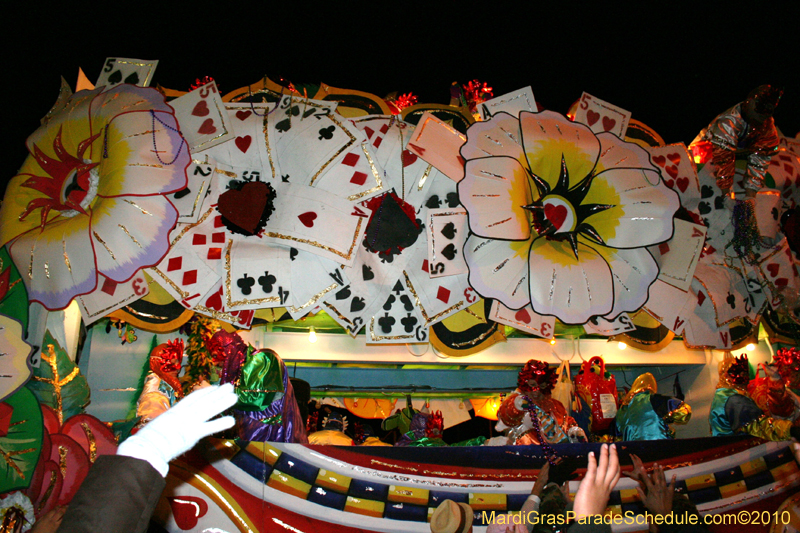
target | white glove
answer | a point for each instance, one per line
(179, 428)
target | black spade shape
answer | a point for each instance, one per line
(449, 251)
(449, 230)
(390, 229)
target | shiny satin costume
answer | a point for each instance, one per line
(646, 415)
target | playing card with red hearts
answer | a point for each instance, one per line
(118, 70)
(203, 119)
(677, 258)
(678, 170)
(405, 172)
(316, 221)
(525, 319)
(438, 143)
(446, 230)
(511, 103)
(602, 116)
(110, 296)
(783, 174)
(779, 273)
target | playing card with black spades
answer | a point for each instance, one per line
(446, 230)
(118, 70)
(203, 119)
(525, 319)
(436, 298)
(189, 201)
(257, 275)
(398, 320)
(512, 103)
(715, 209)
(598, 325)
(312, 278)
(602, 116)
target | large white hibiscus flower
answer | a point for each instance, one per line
(560, 217)
(91, 197)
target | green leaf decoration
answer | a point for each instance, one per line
(13, 296)
(20, 440)
(57, 382)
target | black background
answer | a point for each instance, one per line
(674, 65)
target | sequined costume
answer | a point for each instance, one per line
(647, 415)
(734, 412)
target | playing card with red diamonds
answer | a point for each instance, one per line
(601, 116)
(316, 221)
(447, 230)
(118, 70)
(677, 170)
(525, 319)
(512, 103)
(398, 320)
(189, 200)
(203, 119)
(439, 144)
(598, 325)
(677, 258)
(435, 298)
(375, 128)
(110, 296)
(184, 274)
(257, 275)
(357, 176)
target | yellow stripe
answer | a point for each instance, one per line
(785, 470)
(364, 507)
(333, 481)
(288, 484)
(416, 496)
(264, 451)
(732, 489)
(701, 482)
(481, 502)
(628, 495)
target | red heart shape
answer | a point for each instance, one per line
(556, 214)
(523, 316)
(200, 109)
(669, 183)
(660, 160)
(773, 269)
(207, 127)
(701, 298)
(781, 282)
(672, 170)
(308, 218)
(675, 158)
(609, 123)
(244, 207)
(243, 143)
(215, 301)
(592, 117)
(683, 184)
(242, 115)
(409, 158)
(186, 510)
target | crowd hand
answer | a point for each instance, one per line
(639, 472)
(600, 479)
(659, 495)
(50, 521)
(541, 481)
(796, 451)
(179, 428)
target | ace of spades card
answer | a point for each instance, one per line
(110, 296)
(447, 230)
(601, 116)
(436, 298)
(598, 325)
(525, 319)
(257, 275)
(203, 119)
(677, 258)
(398, 320)
(189, 200)
(118, 70)
(512, 103)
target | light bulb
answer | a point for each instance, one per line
(622, 345)
(312, 335)
(552, 341)
(750, 347)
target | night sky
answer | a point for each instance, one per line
(674, 65)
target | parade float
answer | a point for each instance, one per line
(384, 253)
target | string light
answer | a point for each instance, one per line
(312, 335)
(622, 345)
(552, 341)
(750, 347)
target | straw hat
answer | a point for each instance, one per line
(452, 517)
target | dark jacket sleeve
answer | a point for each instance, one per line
(118, 495)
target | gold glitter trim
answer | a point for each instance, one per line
(200, 193)
(101, 241)
(123, 228)
(66, 257)
(435, 318)
(424, 177)
(200, 147)
(268, 299)
(345, 256)
(314, 299)
(226, 173)
(476, 340)
(499, 222)
(144, 165)
(266, 142)
(137, 207)
(191, 226)
(11, 463)
(172, 284)
(375, 173)
(47, 270)
(48, 492)
(30, 265)
(147, 132)
(62, 459)
(338, 153)
(50, 358)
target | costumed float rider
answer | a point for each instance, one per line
(532, 396)
(162, 387)
(267, 409)
(746, 128)
(646, 415)
(332, 432)
(734, 412)
(782, 398)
